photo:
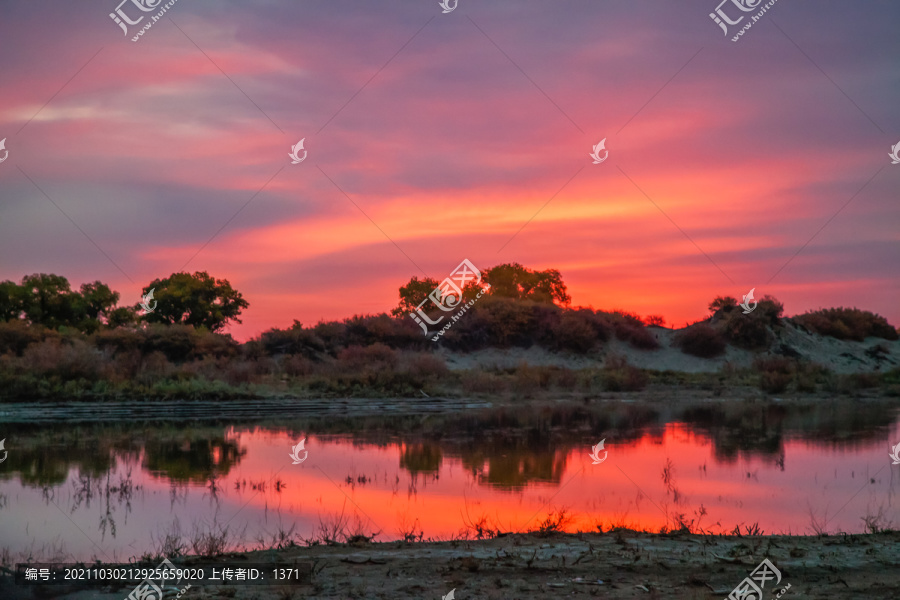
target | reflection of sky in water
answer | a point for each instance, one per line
(512, 488)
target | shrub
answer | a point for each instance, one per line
(770, 310)
(376, 357)
(619, 376)
(295, 340)
(655, 321)
(847, 324)
(701, 340)
(175, 342)
(750, 331)
(217, 345)
(67, 361)
(746, 331)
(16, 335)
(332, 333)
(775, 373)
(396, 332)
(247, 371)
(577, 331)
(118, 341)
(724, 304)
(155, 367)
(498, 322)
(509, 322)
(629, 328)
(480, 382)
(427, 368)
(297, 366)
(527, 379)
(624, 379)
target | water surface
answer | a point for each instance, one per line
(117, 491)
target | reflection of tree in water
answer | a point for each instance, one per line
(198, 461)
(508, 448)
(761, 429)
(46, 455)
(45, 465)
(420, 458)
(513, 463)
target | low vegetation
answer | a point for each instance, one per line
(56, 341)
(846, 324)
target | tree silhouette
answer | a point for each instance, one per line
(510, 280)
(515, 281)
(412, 294)
(198, 300)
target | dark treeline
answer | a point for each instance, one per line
(55, 340)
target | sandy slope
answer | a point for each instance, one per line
(838, 355)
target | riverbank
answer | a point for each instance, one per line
(617, 565)
(673, 392)
(177, 363)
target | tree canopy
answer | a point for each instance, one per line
(519, 283)
(510, 280)
(198, 300)
(48, 300)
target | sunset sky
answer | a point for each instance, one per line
(435, 137)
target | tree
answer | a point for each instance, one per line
(723, 302)
(413, 293)
(11, 301)
(198, 300)
(97, 300)
(122, 316)
(516, 282)
(655, 320)
(48, 300)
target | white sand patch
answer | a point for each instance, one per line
(838, 355)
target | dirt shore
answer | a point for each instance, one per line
(617, 565)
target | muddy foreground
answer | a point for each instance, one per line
(614, 565)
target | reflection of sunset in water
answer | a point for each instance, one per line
(243, 479)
